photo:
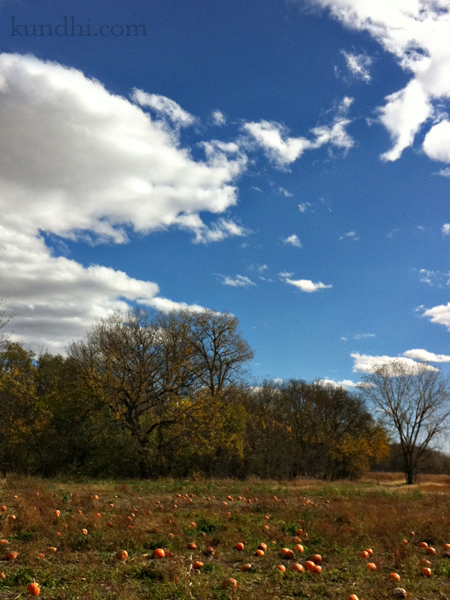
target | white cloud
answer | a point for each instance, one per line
(439, 314)
(304, 207)
(238, 281)
(368, 364)
(306, 285)
(416, 32)
(437, 142)
(219, 118)
(426, 356)
(292, 240)
(446, 228)
(344, 339)
(282, 149)
(358, 65)
(285, 192)
(444, 172)
(363, 336)
(81, 163)
(164, 106)
(278, 380)
(350, 234)
(345, 383)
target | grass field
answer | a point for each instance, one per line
(339, 520)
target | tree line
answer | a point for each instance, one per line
(146, 394)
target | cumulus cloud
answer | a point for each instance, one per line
(446, 228)
(282, 149)
(81, 163)
(292, 240)
(305, 285)
(358, 65)
(439, 314)
(365, 363)
(416, 33)
(164, 106)
(238, 281)
(426, 356)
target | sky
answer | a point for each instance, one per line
(286, 161)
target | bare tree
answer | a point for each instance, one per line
(219, 348)
(415, 403)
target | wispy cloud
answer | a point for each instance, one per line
(358, 65)
(351, 234)
(238, 281)
(305, 285)
(363, 336)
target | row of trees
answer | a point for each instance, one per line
(147, 394)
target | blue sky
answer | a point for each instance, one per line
(283, 160)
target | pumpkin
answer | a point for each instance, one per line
(122, 555)
(246, 567)
(2, 575)
(33, 589)
(299, 531)
(298, 567)
(405, 542)
(426, 572)
(239, 546)
(259, 552)
(316, 569)
(298, 548)
(3, 508)
(369, 551)
(364, 554)
(309, 565)
(430, 550)
(281, 568)
(412, 534)
(58, 513)
(4, 542)
(353, 597)
(229, 583)
(193, 525)
(11, 556)
(169, 554)
(425, 562)
(423, 545)
(84, 531)
(198, 564)
(394, 576)
(316, 558)
(53, 549)
(171, 536)
(372, 566)
(447, 546)
(58, 534)
(399, 593)
(192, 546)
(159, 553)
(40, 555)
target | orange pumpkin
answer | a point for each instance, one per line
(281, 568)
(426, 572)
(2, 575)
(372, 566)
(84, 531)
(394, 576)
(3, 508)
(229, 583)
(316, 558)
(33, 589)
(198, 564)
(298, 567)
(192, 546)
(430, 550)
(259, 552)
(316, 569)
(159, 553)
(122, 555)
(298, 548)
(11, 556)
(309, 565)
(353, 597)
(423, 545)
(239, 546)
(246, 567)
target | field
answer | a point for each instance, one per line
(335, 520)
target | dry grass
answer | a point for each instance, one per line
(340, 518)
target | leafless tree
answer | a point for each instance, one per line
(414, 401)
